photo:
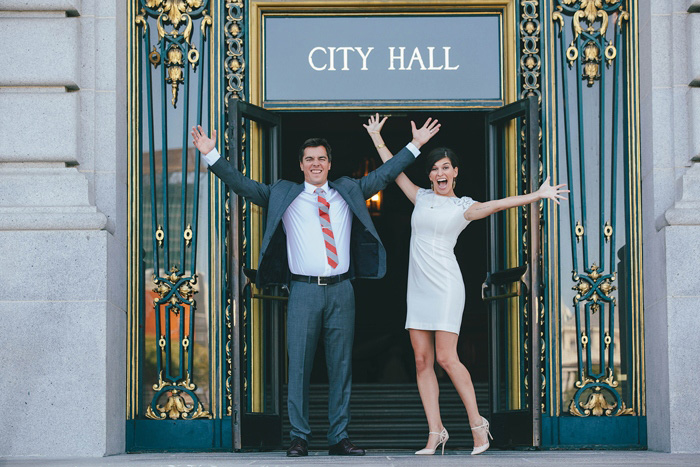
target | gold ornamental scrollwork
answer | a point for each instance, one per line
(597, 404)
(175, 406)
(234, 71)
(607, 231)
(591, 62)
(175, 10)
(175, 74)
(590, 20)
(187, 235)
(591, 282)
(174, 23)
(530, 60)
(160, 236)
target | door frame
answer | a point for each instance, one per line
(529, 274)
(253, 428)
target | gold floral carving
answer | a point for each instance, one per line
(176, 13)
(174, 64)
(152, 415)
(591, 62)
(175, 406)
(175, 10)
(591, 12)
(598, 405)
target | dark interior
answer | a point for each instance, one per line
(382, 350)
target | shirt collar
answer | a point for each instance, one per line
(309, 188)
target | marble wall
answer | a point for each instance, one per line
(670, 127)
(62, 227)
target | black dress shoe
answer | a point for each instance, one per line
(345, 448)
(298, 448)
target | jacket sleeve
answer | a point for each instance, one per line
(253, 191)
(386, 173)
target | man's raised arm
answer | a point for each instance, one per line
(253, 191)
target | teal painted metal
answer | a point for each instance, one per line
(171, 251)
(178, 435)
(590, 58)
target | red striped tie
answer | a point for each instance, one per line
(328, 238)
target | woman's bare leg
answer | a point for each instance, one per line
(447, 358)
(423, 343)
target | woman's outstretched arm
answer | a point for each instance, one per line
(374, 127)
(481, 210)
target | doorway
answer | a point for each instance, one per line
(385, 405)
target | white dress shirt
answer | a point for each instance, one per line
(306, 248)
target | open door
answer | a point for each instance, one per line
(512, 285)
(255, 408)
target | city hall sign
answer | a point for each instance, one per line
(330, 59)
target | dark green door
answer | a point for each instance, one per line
(512, 286)
(256, 417)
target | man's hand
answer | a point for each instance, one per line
(423, 134)
(202, 141)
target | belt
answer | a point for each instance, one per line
(321, 280)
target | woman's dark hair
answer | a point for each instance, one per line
(440, 153)
(314, 143)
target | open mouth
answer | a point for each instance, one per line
(442, 183)
(316, 171)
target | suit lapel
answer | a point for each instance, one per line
(342, 189)
(291, 195)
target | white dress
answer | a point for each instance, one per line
(435, 295)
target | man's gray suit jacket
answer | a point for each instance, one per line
(368, 256)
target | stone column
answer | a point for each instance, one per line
(62, 227)
(670, 109)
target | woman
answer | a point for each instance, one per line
(435, 298)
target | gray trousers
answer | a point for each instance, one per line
(326, 312)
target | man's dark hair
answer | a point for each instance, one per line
(440, 153)
(314, 143)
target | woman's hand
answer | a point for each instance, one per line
(374, 125)
(202, 141)
(552, 192)
(423, 134)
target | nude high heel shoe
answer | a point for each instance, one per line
(484, 426)
(444, 436)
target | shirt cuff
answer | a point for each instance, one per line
(414, 150)
(213, 156)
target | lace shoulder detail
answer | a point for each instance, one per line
(465, 202)
(422, 192)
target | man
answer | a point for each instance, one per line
(319, 235)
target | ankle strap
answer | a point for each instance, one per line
(433, 433)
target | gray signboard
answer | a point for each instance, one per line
(385, 58)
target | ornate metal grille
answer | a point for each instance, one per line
(591, 58)
(173, 97)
